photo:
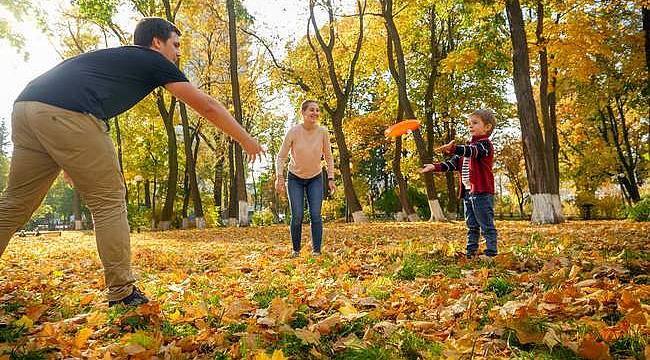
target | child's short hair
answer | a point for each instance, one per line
(487, 116)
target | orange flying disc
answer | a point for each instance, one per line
(402, 128)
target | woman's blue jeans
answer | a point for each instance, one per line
(297, 187)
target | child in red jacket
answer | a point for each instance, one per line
(474, 163)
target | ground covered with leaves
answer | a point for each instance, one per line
(379, 291)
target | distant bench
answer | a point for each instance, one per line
(23, 233)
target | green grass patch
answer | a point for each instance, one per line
(629, 346)
(485, 319)
(178, 330)
(136, 322)
(301, 320)
(23, 354)
(542, 353)
(412, 347)
(414, 265)
(380, 288)
(636, 255)
(292, 347)
(263, 298)
(221, 355)
(370, 353)
(536, 351)
(232, 329)
(12, 307)
(11, 333)
(612, 318)
(142, 339)
(500, 286)
(358, 327)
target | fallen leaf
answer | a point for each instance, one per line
(81, 337)
(86, 300)
(24, 321)
(594, 350)
(309, 337)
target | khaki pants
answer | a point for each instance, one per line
(47, 139)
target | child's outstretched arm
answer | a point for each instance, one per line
(482, 148)
(446, 148)
(449, 165)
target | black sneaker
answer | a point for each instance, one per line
(136, 298)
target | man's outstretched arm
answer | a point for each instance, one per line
(216, 113)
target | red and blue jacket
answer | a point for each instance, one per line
(480, 154)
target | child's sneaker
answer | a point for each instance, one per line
(136, 298)
(315, 253)
(295, 254)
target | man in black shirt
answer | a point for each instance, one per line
(60, 122)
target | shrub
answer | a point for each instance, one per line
(640, 211)
(139, 217)
(262, 218)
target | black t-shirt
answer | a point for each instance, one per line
(105, 82)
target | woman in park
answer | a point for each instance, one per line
(308, 143)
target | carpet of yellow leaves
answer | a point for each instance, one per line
(379, 291)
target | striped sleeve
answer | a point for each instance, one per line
(449, 165)
(481, 149)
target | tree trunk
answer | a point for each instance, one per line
(353, 204)
(275, 207)
(550, 128)
(396, 57)
(147, 194)
(198, 204)
(407, 208)
(625, 156)
(234, 82)
(154, 216)
(547, 207)
(342, 94)
(431, 80)
(190, 165)
(172, 158)
(168, 118)
(646, 31)
(76, 209)
(218, 184)
(452, 185)
(186, 198)
(233, 204)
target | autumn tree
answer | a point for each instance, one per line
(341, 87)
(543, 179)
(509, 161)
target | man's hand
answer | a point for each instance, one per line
(427, 168)
(217, 114)
(252, 148)
(447, 148)
(279, 185)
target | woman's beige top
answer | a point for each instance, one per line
(307, 147)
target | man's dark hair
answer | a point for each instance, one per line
(153, 27)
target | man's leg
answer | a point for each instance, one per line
(81, 145)
(31, 173)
